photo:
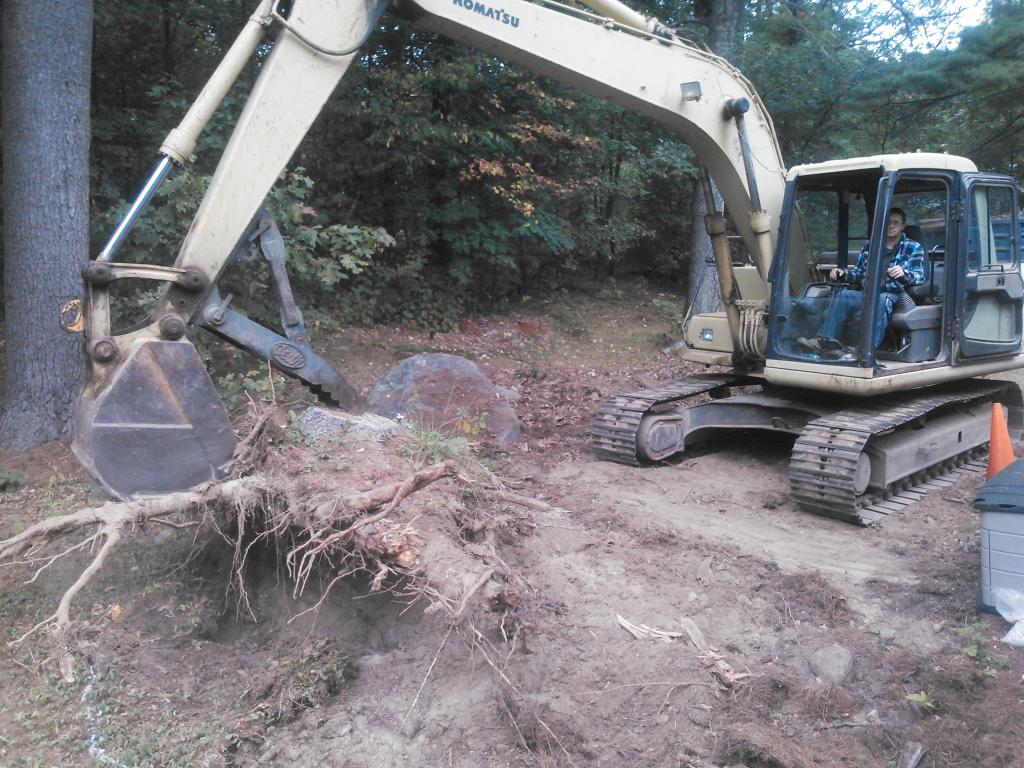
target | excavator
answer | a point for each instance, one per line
(870, 424)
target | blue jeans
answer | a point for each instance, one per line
(843, 315)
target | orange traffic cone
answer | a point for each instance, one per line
(1000, 452)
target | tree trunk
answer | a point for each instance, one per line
(703, 286)
(45, 75)
(725, 22)
(725, 27)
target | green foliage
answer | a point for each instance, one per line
(402, 291)
(426, 446)
(967, 100)
(977, 649)
(565, 319)
(11, 479)
(431, 446)
(159, 739)
(807, 65)
(923, 699)
(236, 388)
(319, 253)
(449, 182)
(469, 423)
(473, 181)
(671, 310)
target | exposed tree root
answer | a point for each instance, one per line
(333, 528)
(441, 550)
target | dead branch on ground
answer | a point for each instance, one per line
(535, 736)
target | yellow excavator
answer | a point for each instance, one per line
(870, 422)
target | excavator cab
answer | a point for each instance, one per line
(875, 416)
(967, 312)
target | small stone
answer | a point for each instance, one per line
(704, 570)
(700, 717)
(323, 422)
(411, 727)
(886, 634)
(873, 717)
(832, 663)
(435, 729)
(920, 636)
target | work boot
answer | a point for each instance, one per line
(829, 345)
(808, 345)
(839, 353)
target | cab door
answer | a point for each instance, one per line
(990, 293)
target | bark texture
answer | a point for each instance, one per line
(725, 20)
(45, 75)
(704, 290)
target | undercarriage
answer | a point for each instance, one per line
(852, 461)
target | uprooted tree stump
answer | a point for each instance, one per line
(317, 527)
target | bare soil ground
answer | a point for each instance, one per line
(175, 675)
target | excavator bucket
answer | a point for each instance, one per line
(155, 425)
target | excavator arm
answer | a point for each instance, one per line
(642, 68)
(149, 421)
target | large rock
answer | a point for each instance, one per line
(435, 390)
(832, 663)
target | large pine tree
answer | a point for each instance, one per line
(47, 50)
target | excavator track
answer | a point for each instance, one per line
(618, 421)
(826, 455)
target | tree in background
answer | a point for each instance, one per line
(492, 183)
(442, 181)
(967, 100)
(47, 47)
(807, 60)
(489, 182)
(725, 21)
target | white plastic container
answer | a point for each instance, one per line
(1001, 504)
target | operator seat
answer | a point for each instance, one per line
(918, 330)
(915, 233)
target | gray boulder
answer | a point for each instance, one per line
(324, 422)
(435, 390)
(832, 663)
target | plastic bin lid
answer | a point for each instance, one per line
(1004, 492)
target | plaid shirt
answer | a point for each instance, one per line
(909, 255)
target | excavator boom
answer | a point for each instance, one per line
(150, 421)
